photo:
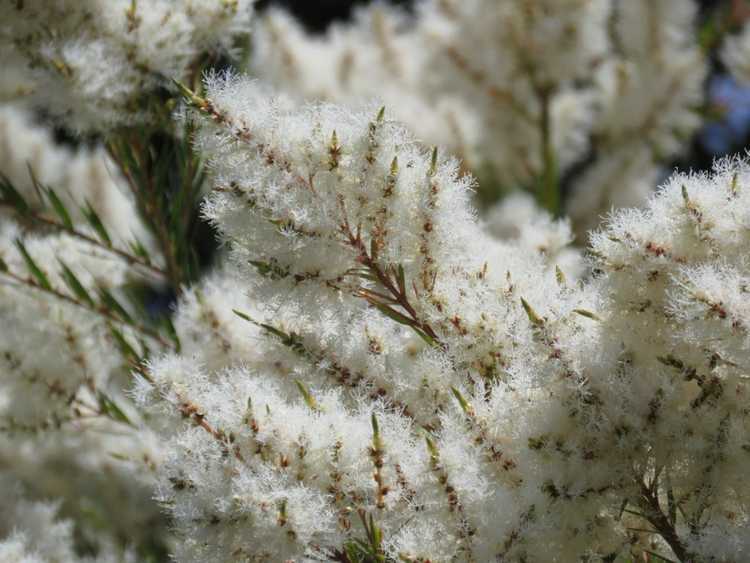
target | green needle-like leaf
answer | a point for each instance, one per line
(74, 284)
(34, 269)
(59, 207)
(96, 223)
(10, 196)
(110, 302)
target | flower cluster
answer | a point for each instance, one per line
(31, 532)
(70, 246)
(93, 62)
(422, 390)
(29, 157)
(378, 362)
(521, 91)
(365, 335)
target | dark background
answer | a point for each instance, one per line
(317, 14)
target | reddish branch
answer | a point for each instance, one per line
(397, 293)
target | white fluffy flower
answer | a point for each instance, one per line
(379, 310)
(430, 390)
(648, 94)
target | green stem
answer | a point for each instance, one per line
(549, 190)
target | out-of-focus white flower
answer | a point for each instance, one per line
(518, 218)
(91, 62)
(519, 91)
(736, 54)
(648, 93)
(78, 177)
(32, 532)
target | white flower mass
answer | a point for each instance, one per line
(416, 289)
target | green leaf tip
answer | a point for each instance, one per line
(306, 395)
(375, 426)
(36, 272)
(244, 316)
(59, 208)
(534, 318)
(433, 163)
(74, 284)
(463, 403)
(193, 98)
(112, 410)
(96, 223)
(11, 196)
(560, 276)
(587, 314)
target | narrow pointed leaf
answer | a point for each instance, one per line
(560, 276)
(533, 317)
(401, 278)
(245, 316)
(139, 250)
(109, 301)
(171, 331)
(429, 340)
(309, 399)
(59, 208)
(191, 96)
(34, 270)
(432, 448)
(391, 313)
(36, 183)
(465, 406)
(10, 196)
(275, 331)
(96, 223)
(375, 426)
(110, 408)
(125, 347)
(74, 284)
(587, 314)
(146, 351)
(433, 162)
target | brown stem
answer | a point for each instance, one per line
(648, 501)
(398, 296)
(191, 411)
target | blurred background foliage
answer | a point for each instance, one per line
(727, 129)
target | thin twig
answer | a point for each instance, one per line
(648, 501)
(129, 258)
(102, 311)
(398, 296)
